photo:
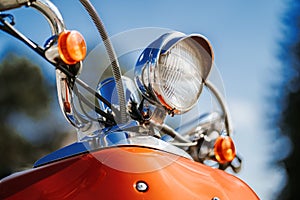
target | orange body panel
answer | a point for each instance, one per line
(113, 173)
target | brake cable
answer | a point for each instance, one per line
(112, 56)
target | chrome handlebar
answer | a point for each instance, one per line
(11, 4)
(56, 22)
(51, 13)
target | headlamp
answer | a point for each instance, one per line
(171, 71)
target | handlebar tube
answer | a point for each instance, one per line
(11, 4)
(55, 20)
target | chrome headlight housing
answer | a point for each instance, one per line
(171, 71)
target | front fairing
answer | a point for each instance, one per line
(117, 172)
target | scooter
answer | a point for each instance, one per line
(125, 148)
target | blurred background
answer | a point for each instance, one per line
(256, 45)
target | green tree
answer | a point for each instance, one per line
(23, 93)
(289, 101)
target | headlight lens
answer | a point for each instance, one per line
(172, 69)
(180, 80)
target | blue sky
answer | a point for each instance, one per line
(245, 36)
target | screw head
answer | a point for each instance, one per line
(141, 186)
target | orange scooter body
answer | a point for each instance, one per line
(127, 172)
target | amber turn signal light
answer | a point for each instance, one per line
(71, 47)
(224, 149)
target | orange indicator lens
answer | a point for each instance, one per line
(71, 47)
(224, 149)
